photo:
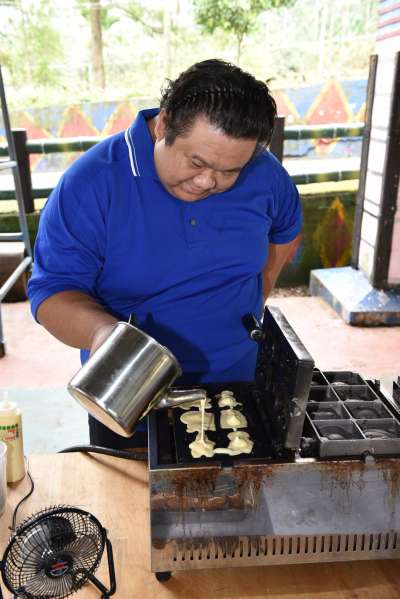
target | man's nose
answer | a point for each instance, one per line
(205, 180)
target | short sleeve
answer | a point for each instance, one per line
(69, 248)
(288, 217)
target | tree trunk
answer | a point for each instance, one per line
(239, 40)
(99, 78)
(167, 40)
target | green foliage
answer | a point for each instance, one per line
(30, 44)
(107, 18)
(150, 19)
(238, 17)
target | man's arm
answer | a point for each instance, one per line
(279, 254)
(76, 319)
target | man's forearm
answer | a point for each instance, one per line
(76, 319)
(278, 256)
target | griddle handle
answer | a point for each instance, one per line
(253, 327)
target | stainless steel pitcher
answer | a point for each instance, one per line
(126, 377)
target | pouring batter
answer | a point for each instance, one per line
(197, 421)
(196, 404)
(202, 446)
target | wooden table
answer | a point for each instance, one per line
(115, 491)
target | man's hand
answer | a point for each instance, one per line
(100, 336)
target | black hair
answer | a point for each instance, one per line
(231, 99)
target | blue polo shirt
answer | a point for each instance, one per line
(189, 271)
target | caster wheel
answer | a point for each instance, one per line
(163, 576)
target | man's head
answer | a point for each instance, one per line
(212, 119)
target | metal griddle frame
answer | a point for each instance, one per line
(289, 510)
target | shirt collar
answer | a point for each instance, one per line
(140, 145)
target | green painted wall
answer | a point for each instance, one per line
(327, 235)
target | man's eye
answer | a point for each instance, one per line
(196, 165)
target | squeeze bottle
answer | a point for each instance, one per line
(11, 435)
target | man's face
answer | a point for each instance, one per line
(202, 162)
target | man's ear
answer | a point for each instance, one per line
(160, 126)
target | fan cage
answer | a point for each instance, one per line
(52, 553)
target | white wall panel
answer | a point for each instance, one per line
(376, 156)
(385, 75)
(373, 187)
(371, 208)
(369, 228)
(381, 110)
(366, 258)
(380, 134)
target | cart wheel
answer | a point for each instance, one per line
(163, 576)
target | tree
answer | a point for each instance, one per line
(238, 17)
(99, 18)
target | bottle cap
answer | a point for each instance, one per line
(7, 406)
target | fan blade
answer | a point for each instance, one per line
(29, 550)
(41, 586)
(84, 551)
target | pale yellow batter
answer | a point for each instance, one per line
(202, 446)
(198, 422)
(232, 419)
(228, 401)
(193, 421)
(196, 404)
(224, 394)
(239, 442)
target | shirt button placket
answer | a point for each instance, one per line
(192, 228)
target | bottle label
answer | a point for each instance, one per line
(10, 432)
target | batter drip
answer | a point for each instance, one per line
(193, 421)
(196, 404)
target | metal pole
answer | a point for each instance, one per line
(22, 156)
(276, 146)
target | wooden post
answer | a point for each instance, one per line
(373, 63)
(22, 155)
(276, 146)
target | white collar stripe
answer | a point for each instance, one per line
(130, 153)
(134, 152)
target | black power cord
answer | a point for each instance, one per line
(14, 516)
(117, 453)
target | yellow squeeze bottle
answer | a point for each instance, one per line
(11, 435)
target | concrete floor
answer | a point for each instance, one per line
(37, 367)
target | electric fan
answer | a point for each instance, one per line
(54, 552)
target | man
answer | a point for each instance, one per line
(184, 220)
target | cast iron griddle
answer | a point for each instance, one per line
(257, 428)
